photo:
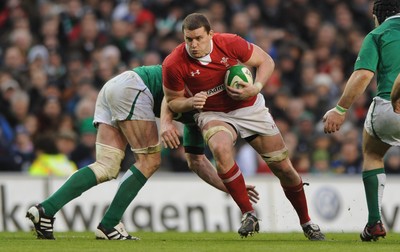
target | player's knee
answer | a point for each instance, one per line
(108, 162)
(213, 130)
(275, 156)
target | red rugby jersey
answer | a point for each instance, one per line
(180, 71)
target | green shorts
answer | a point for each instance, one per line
(193, 141)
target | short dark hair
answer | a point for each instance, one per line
(385, 8)
(195, 21)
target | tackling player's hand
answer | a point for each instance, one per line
(244, 92)
(333, 121)
(199, 100)
(253, 194)
(396, 106)
(169, 135)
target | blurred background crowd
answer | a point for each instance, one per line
(55, 55)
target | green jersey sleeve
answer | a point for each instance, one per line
(368, 56)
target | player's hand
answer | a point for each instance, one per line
(244, 92)
(396, 106)
(253, 194)
(169, 135)
(333, 121)
(199, 100)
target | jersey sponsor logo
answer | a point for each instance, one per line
(216, 90)
(195, 72)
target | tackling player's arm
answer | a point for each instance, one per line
(395, 95)
(168, 131)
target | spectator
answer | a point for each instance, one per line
(23, 149)
(48, 161)
(350, 160)
(84, 153)
(66, 142)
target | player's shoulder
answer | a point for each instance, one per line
(225, 37)
(228, 40)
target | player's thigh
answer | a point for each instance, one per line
(111, 136)
(139, 133)
(373, 149)
(268, 144)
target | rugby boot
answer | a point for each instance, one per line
(313, 232)
(43, 223)
(249, 225)
(116, 233)
(373, 232)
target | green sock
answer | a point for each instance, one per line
(79, 182)
(130, 185)
(374, 183)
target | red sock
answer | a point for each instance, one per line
(234, 182)
(296, 196)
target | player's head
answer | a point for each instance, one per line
(385, 8)
(197, 34)
(194, 21)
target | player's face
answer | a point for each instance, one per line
(198, 42)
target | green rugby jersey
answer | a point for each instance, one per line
(380, 53)
(152, 77)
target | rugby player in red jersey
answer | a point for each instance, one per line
(193, 78)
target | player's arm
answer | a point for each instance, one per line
(168, 131)
(264, 65)
(395, 95)
(178, 103)
(356, 85)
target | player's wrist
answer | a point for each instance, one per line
(340, 110)
(259, 86)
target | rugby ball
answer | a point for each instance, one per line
(238, 73)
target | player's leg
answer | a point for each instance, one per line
(381, 130)
(109, 154)
(374, 179)
(110, 146)
(274, 152)
(220, 137)
(193, 143)
(143, 138)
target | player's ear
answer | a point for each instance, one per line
(376, 21)
(211, 33)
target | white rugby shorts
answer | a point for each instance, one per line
(382, 122)
(124, 97)
(248, 121)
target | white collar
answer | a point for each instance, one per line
(394, 16)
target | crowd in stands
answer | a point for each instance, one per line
(55, 55)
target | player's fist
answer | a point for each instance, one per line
(199, 100)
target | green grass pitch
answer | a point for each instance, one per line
(204, 242)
